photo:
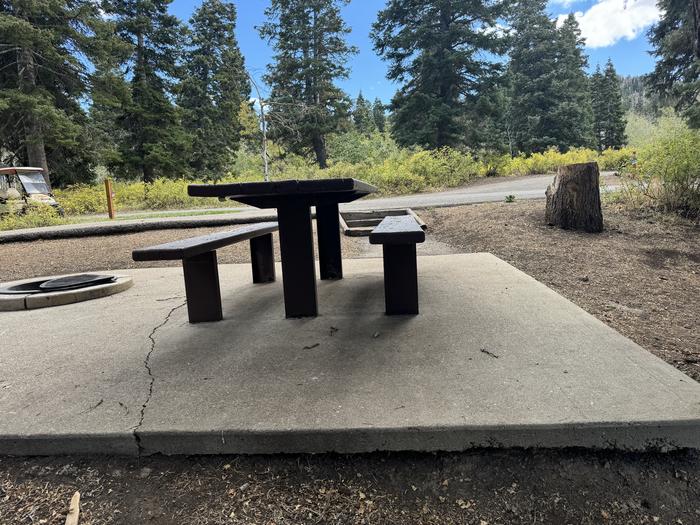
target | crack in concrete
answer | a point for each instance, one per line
(152, 378)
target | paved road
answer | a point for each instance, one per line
(484, 190)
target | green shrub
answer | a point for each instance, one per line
(374, 158)
(35, 215)
(165, 194)
(667, 173)
(357, 148)
(82, 199)
(545, 162)
(639, 130)
(615, 159)
(160, 195)
(443, 168)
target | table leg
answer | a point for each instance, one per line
(328, 232)
(297, 252)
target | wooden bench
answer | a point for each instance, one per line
(198, 255)
(398, 236)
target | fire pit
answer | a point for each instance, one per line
(54, 291)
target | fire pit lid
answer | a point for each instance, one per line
(72, 282)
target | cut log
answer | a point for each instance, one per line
(573, 199)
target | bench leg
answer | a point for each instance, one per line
(262, 258)
(298, 269)
(400, 279)
(202, 288)
(328, 233)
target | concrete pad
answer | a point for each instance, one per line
(495, 359)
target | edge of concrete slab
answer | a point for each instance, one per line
(657, 436)
(119, 444)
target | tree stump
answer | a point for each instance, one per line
(573, 199)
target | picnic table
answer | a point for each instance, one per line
(293, 200)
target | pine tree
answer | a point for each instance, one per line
(154, 144)
(534, 75)
(379, 115)
(573, 113)
(213, 87)
(311, 53)
(441, 51)
(45, 50)
(609, 115)
(676, 42)
(493, 133)
(598, 104)
(615, 130)
(362, 116)
(109, 93)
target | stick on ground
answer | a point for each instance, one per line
(73, 510)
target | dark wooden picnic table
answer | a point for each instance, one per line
(293, 200)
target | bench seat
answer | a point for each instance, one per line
(198, 255)
(398, 236)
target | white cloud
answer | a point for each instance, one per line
(609, 21)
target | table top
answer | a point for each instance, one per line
(275, 193)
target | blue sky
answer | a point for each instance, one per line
(613, 28)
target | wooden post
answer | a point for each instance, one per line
(573, 199)
(110, 198)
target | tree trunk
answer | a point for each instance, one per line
(696, 16)
(320, 151)
(573, 199)
(149, 175)
(139, 96)
(33, 133)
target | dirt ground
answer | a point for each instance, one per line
(641, 276)
(479, 487)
